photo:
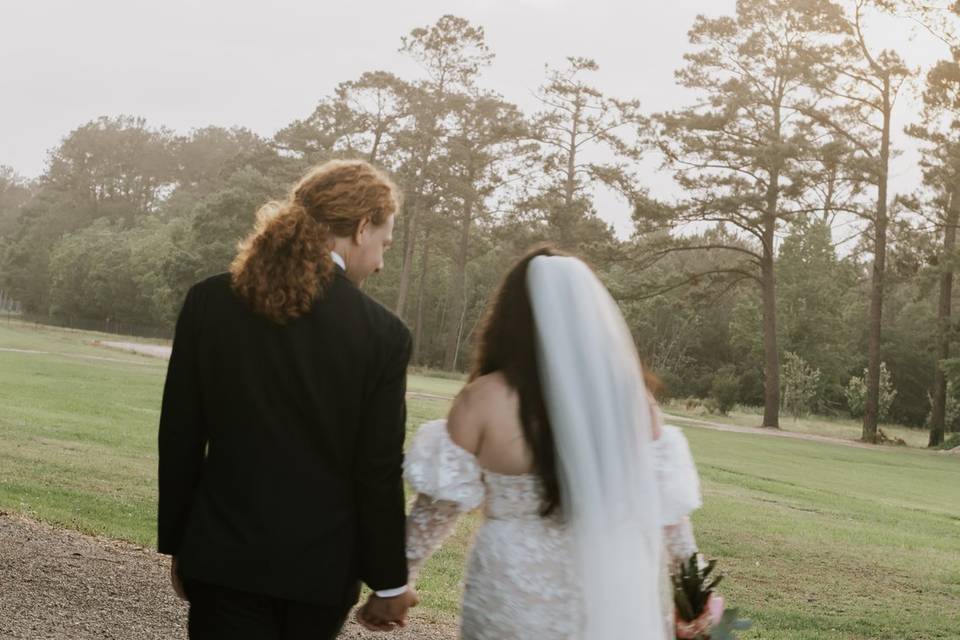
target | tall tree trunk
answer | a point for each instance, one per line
(871, 415)
(415, 207)
(410, 238)
(378, 135)
(570, 182)
(771, 369)
(457, 299)
(409, 244)
(939, 409)
(421, 293)
(771, 354)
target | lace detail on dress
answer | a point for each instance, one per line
(676, 475)
(512, 496)
(679, 497)
(679, 493)
(448, 482)
(521, 580)
(520, 577)
(679, 541)
(437, 466)
(521, 583)
(428, 525)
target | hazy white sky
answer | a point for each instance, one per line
(263, 64)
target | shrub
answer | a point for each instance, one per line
(951, 418)
(856, 393)
(951, 443)
(799, 383)
(725, 390)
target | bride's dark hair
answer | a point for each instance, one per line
(507, 342)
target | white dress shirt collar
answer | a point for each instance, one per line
(338, 260)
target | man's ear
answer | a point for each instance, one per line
(361, 229)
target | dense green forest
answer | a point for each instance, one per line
(786, 276)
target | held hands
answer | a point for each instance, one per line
(386, 614)
(378, 614)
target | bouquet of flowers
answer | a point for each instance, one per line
(700, 611)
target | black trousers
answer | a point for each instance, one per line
(221, 613)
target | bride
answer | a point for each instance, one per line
(557, 436)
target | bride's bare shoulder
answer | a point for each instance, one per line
(478, 405)
(493, 386)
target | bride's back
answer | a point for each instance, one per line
(485, 420)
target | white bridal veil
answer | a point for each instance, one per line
(597, 402)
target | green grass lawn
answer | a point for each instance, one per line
(818, 541)
(423, 384)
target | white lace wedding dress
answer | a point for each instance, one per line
(521, 582)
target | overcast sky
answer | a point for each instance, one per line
(263, 64)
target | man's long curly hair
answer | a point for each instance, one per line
(283, 265)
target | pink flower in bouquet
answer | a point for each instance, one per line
(711, 616)
(715, 608)
(694, 628)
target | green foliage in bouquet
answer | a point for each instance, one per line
(693, 585)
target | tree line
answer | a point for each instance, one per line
(786, 275)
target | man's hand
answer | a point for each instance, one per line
(175, 579)
(386, 614)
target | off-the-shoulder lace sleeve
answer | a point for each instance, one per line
(679, 541)
(437, 466)
(448, 482)
(677, 476)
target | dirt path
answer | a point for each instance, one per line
(155, 350)
(62, 585)
(775, 433)
(760, 431)
(37, 352)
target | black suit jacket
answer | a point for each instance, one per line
(281, 447)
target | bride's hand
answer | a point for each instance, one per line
(386, 614)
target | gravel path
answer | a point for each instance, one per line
(62, 585)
